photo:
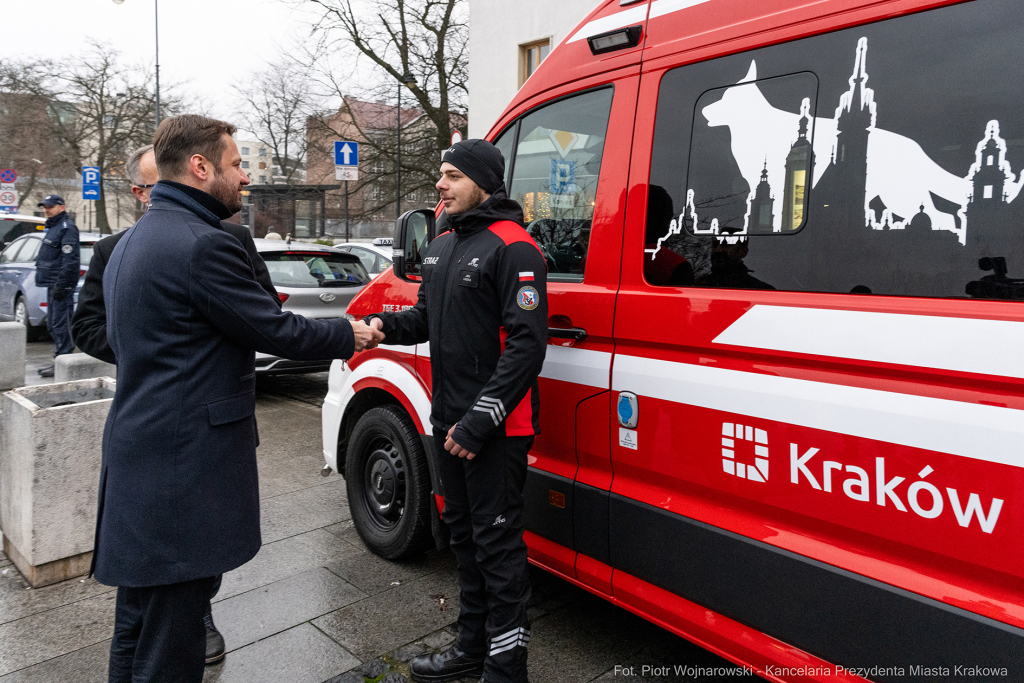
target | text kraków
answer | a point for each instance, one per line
(923, 497)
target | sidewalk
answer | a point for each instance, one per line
(315, 605)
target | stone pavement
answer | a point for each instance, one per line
(315, 605)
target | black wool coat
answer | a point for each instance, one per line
(179, 496)
(89, 325)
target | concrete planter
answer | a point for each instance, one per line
(12, 355)
(51, 441)
(71, 366)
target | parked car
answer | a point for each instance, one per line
(20, 299)
(782, 405)
(14, 225)
(376, 257)
(314, 281)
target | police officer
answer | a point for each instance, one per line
(57, 267)
(483, 307)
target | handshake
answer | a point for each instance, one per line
(367, 335)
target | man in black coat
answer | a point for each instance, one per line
(89, 325)
(179, 496)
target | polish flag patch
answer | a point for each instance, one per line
(528, 275)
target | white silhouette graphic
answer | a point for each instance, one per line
(899, 173)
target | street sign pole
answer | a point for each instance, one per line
(347, 237)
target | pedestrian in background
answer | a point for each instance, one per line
(179, 492)
(483, 307)
(57, 268)
(89, 325)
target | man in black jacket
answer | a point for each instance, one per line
(89, 325)
(483, 307)
(179, 491)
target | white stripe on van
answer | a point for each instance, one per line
(987, 347)
(970, 430)
(579, 366)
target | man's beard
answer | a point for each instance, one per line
(226, 192)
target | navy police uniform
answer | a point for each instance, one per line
(483, 307)
(57, 268)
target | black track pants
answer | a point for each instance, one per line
(483, 507)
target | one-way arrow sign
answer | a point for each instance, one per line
(346, 153)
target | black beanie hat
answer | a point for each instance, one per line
(480, 160)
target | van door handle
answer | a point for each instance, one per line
(575, 333)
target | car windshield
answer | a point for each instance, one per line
(314, 269)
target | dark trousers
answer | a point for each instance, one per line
(58, 320)
(483, 507)
(159, 635)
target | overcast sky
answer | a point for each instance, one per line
(211, 44)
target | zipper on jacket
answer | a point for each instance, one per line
(444, 310)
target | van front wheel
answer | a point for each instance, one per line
(388, 484)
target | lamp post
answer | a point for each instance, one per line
(156, 26)
(408, 80)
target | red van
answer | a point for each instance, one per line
(783, 398)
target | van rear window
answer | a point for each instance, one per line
(882, 159)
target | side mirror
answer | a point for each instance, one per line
(413, 232)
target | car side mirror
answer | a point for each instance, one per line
(413, 232)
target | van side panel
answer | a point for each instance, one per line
(830, 396)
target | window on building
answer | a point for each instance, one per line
(263, 165)
(245, 150)
(263, 180)
(263, 151)
(245, 164)
(555, 172)
(530, 57)
(765, 176)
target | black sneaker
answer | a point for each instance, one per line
(46, 372)
(214, 641)
(450, 665)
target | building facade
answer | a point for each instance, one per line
(506, 43)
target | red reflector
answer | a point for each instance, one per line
(283, 297)
(42, 305)
(81, 272)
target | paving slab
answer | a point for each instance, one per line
(303, 510)
(17, 600)
(374, 574)
(46, 635)
(388, 620)
(88, 665)
(299, 655)
(285, 558)
(285, 475)
(279, 606)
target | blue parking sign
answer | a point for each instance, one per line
(91, 182)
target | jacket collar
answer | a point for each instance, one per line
(198, 202)
(54, 220)
(497, 208)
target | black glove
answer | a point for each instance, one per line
(59, 294)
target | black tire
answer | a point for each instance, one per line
(33, 333)
(389, 484)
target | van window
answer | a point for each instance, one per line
(912, 157)
(557, 165)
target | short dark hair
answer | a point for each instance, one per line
(179, 138)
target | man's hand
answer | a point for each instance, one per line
(366, 336)
(456, 449)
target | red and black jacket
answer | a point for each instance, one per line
(483, 307)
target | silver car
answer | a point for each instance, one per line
(376, 257)
(313, 281)
(20, 299)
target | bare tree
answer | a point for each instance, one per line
(274, 106)
(95, 109)
(425, 39)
